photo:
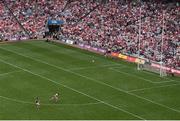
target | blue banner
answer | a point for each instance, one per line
(55, 22)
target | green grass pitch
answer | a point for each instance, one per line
(103, 89)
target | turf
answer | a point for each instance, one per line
(104, 89)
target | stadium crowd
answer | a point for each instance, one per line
(113, 25)
(9, 28)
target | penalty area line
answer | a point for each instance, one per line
(110, 105)
(91, 67)
(92, 79)
(7, 73)
(155, 87)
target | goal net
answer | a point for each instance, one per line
(147, 67)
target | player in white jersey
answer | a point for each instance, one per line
(55, 97)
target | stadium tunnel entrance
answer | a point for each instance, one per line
(52, 28)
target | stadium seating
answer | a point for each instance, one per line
(113, 25)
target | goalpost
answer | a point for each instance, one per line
(139, 38)
(162, 43)
(147, 67)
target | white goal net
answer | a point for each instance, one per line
(147, 67)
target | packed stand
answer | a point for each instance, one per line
(113, 25)
(9, 28)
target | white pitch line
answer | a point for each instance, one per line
(161, 77)
(90, 67)
(149, 73)
(110, 105)
(68, 70)
(157, 87)
(102, 83)
(47, 104)
(133, 75)
(3, 74)
(143, 98)
(125, 66)
(131, 68)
